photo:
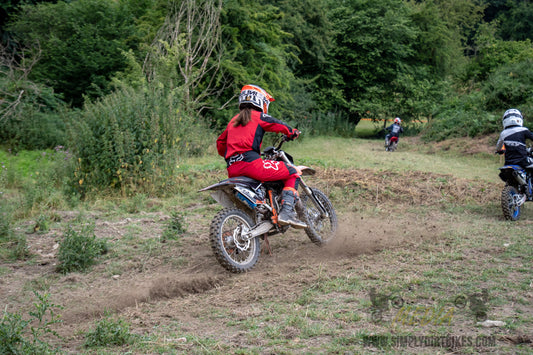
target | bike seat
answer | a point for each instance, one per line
(254, 184)
(514, 167)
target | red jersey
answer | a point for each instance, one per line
(248, 139)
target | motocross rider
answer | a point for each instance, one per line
(240, 145)
(512, 140)
(394, 130)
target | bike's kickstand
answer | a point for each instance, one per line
(267, 244)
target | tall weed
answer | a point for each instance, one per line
(131, 140)
(20, 336)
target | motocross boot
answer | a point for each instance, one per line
(287, 214)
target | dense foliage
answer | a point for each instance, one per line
(80, 44)
(132, 140)
(139, 82)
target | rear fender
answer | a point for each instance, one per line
(224, 198)
(239, 180)
(512, 174)
(224, 191)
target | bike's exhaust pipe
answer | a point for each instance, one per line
(519, 178)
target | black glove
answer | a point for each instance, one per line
(499, 152)
(294, 135)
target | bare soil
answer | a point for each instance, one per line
(184, 286)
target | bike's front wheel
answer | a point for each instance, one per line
(227, 234)
(321, 228)
(510, 201)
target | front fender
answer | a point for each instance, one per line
(305, 170)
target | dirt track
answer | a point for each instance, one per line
(182, 288)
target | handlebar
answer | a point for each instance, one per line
(284, 138)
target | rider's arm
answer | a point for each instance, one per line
(222, 143)
(529, 135)
(271, 124)
(499, 145)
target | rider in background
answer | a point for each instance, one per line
(394, 130)
(513, 138)
(240, 145)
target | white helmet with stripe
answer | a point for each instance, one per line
(512, 117)
(256, 96)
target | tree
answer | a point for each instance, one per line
(185, 45)
(373, 44)
(253, 51)
(81, 44)
(517, 23)
(28, 110)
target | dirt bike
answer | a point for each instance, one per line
(393, 144)
(250, 213)
(517, 190)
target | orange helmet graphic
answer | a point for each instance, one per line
(256, 96)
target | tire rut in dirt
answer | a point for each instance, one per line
(169, 287)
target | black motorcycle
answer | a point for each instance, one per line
(251, 209)
(517, 190)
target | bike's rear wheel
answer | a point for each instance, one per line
(231, 250)
(320, 229)
(510, 208)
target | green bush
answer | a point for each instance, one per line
(131, 140)
(31, 115)
(462, 116)
(42, 224)
(494, 54)
(510, 86)
(20, 336)
(109, 332)
(79, 249)
(175, 227)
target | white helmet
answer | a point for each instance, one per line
(256, 96)
(398, 120)
(512, 117)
